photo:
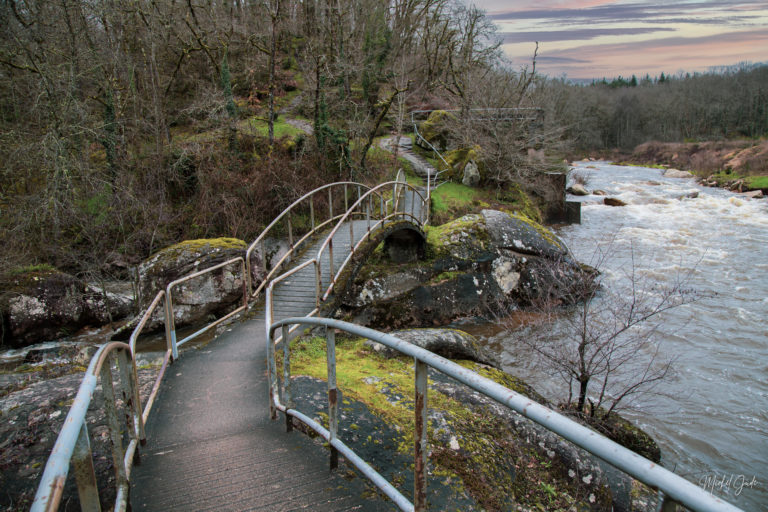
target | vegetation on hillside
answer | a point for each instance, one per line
(125, 128)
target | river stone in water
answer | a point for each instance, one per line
(577, 189)
(449, 343)
(677, 173)
(612, 201)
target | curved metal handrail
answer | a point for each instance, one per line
(73, 446)
(673, 488)
(286, 214)
(328, 244)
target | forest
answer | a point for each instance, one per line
(128, 126)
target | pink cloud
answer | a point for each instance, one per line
(669, 54)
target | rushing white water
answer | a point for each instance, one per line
(714, 427)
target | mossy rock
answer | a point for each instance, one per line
(625, 433)
(434, 129)
(210, 293)
(459, 158)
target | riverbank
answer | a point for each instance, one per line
(739, 165)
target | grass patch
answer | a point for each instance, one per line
(755, 182)
(454, 198)
(722, 179)
(255, 126)
(41, 267)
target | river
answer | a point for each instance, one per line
(714, 425)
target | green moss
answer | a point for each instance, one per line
(454, 199)
(257, 126)
(444, 276)
(492, 465)
(193, 246)
(434, 130)
(438, 237)
(520, 202)
(458, 160)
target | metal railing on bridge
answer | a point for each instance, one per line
(72, 446)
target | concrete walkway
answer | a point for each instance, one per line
(212, 446)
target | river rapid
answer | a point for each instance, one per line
(713, 426)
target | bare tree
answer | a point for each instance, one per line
(604, 348)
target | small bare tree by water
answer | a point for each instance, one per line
(604, 347)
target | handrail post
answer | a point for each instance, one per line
(271, 369)
(131, 401)
(290, 234)
(331, 274)
(85, 476)
(317, 284)
(420, 438)
(330, 203)
(312, 213)
(118, 455)
(368, 214)
(170, 326)
(333, 403)
(287, 396)
(666, 504)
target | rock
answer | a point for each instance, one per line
(449, 343)
(47, 304)
(475, 262)
(753, 194)
(516, 232)
(691, 195)
(599, 192)
(612, 201)
(577, 189)
(196, 299)
(677, 173)
(471, 174)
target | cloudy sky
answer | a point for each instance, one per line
(607, 38)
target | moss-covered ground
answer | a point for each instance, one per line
(484, 459)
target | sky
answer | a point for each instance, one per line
(586, 39)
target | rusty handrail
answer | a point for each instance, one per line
(673, 488)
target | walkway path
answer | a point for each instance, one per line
(211, 444)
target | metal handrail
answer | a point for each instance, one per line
(171, 322)
(328, 244)
(73, 445)
(286, 213)
(674, 488)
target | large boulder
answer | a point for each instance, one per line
(480, 262)
(449, 343)
(577, 189)
(677, 173)
(43, 304)
(209, 294)
(471, 176)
